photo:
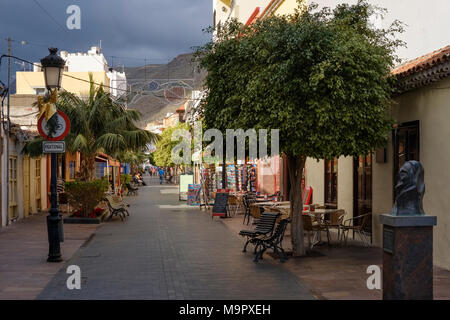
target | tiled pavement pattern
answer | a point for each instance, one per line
(339, 272)
(171, 252)
(23, 253)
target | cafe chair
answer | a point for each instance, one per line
(314, 226)
(352, 224)
(233, 205)
(335, 221)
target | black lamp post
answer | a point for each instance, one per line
(53, 66)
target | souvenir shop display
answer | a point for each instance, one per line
(251, 178)
(231, 177)
(193, 195)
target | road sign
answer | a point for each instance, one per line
(53, 146)
(62, 127)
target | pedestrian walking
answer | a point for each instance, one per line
(161, 175)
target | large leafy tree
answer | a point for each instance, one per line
(97, 124)
(163, 155)
(322, 77)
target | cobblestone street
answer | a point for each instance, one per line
(166, 250)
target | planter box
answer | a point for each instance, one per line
(76, 220)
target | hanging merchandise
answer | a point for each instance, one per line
(231, 177)
(251, 177)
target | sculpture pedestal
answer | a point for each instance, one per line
(407, 257)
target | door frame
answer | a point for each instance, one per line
(355, 191)
(330, 204)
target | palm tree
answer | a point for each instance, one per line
(133, 158)
(97, 124)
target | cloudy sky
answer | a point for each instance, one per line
(130, 30)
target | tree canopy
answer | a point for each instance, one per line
(322, 77)
(163, 155)
(97, 124)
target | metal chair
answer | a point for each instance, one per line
(233, 205)
(248, 200)
(335, 220)
(360, 229)
(314, 225)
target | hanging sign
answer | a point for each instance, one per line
(62, 126)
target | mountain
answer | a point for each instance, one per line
(158, 89)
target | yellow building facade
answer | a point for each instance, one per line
(281, 7)
(33, 82)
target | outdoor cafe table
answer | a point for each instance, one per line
(317, 213)
(255, 207)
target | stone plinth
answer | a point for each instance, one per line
(407, 257)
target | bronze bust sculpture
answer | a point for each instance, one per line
(409, 190)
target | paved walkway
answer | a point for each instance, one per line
(24, 270)
(165, 250)
(340, 272)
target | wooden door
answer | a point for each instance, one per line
(26, 186)
(331, 172)
(37, 181)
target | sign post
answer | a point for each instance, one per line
(53, 131)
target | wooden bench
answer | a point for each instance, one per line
(274, 241)
(116, 208)
(265, 226)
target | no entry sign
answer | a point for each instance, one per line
(61, 129)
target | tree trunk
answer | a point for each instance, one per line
(87, 168)
(295, 167)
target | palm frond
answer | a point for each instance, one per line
(33, 148)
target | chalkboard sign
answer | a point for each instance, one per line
(220, 204)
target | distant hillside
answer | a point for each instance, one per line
(156, 88)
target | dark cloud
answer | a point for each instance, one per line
(157, 30)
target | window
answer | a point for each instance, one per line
(331, 171)
(13, 187)
(406, 140)
(71, 169)
(39, 91)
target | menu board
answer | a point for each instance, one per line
(185, 180)
(220, 204)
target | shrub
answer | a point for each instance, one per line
(85, 195)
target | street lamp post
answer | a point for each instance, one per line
(53, 66)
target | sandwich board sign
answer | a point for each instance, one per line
(185, 181)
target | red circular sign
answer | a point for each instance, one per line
(62, 129)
